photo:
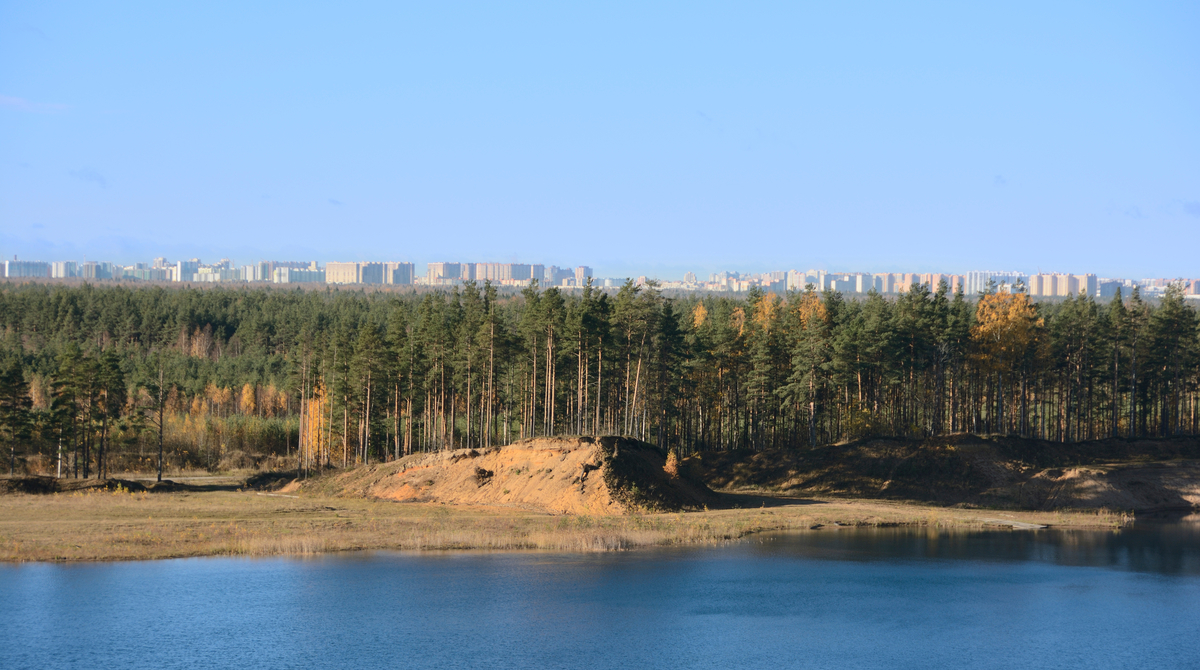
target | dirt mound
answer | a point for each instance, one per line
(1140, 475)
(46, 485)
(1144, 487)
(32, 484)
(575, 475)
(271, 480)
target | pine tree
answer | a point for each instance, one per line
(15, 405)
(810, 358)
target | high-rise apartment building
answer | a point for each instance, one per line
(291, 275)
(1063, 285)
(1087, 285)
(266, 269)
(441, 273)
(584, 273)
(353, 273)
(370, 273)
(978, 282)
(99, 270)
(64, 269)
(521, 272)
(16, 268)
(337, 272)
(154, 274)
(518, 271)
(398, 273)
(841, 283)
(556, 276)
(185, 270)
(795, 280)
(487, 271)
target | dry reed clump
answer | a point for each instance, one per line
(288, 545)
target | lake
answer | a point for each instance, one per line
(833, 598)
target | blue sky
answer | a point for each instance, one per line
(639, 138)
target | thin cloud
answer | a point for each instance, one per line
(1192, 208)
(999, 180)
(335, 202)
(34, 30)
(89, 175)
(23, 105)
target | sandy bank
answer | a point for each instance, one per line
(117, 525)
(561, 475)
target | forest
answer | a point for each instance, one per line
(96, 378)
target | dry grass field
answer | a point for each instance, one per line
(91, 525)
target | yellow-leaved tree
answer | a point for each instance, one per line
(699, 315)
(768, 311)
(248, 399)
(1006, 329)
(314, 431)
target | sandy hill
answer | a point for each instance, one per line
(566, 475)
(1137, 474)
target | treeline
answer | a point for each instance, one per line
(339, 377)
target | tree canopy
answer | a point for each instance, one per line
(338, 377)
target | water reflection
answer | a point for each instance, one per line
(849, 598)
(1165, 546)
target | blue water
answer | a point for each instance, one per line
(890, 598)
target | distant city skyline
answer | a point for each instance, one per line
(657, 271)
(514, 275)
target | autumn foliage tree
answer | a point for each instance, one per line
(1006, 330)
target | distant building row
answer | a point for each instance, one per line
(505, 274)
(972, 283)
(182, 271)
(291, 272)
(369, 273)
(520, 274)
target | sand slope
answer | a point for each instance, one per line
(1141, 475)
(1138, 487)
(563, 475)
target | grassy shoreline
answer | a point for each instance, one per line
(99, 525)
